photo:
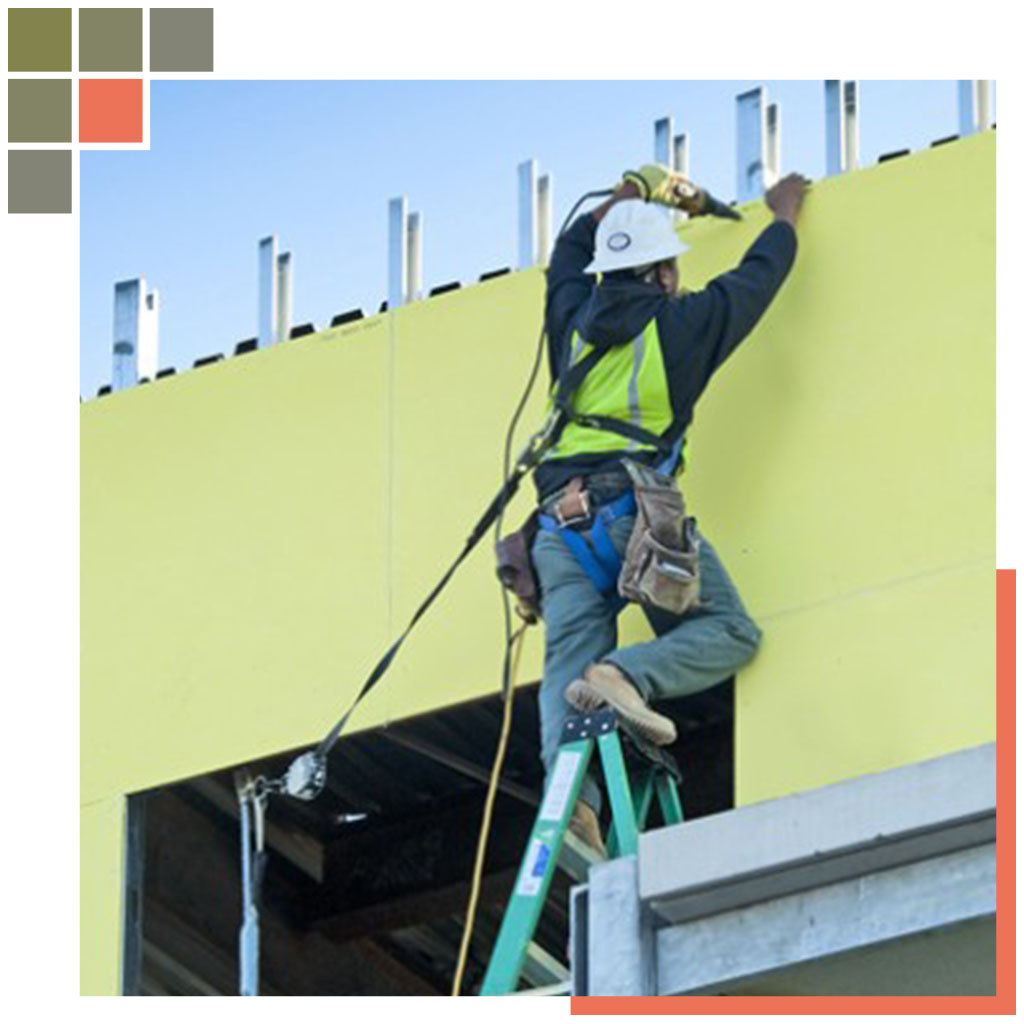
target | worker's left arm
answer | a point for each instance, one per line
(714, 321)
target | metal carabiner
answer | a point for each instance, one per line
(541, 440)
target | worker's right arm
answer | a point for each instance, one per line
(568, 287)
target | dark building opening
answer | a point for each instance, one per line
(366, 887)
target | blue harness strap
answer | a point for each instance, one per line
(598, 558)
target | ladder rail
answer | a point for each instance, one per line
(515, 954)
(537, 869)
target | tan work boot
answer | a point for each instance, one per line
(605, 684)
(584, 826)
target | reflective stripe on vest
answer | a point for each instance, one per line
(628, 383)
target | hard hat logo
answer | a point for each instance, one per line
(634, 234)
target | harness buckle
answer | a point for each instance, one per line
(574, 505)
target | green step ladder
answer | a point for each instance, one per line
(551, 845)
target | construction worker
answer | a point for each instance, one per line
(678, 341)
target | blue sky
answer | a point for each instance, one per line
(317, 162)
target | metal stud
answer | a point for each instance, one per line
(527, 213)
(750, 145)
(398, 281)
(267, 324)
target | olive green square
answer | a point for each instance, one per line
(39, 181)
(39, 110)
(181, 39)
(38, 38)
(110, 39)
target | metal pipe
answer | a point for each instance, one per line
(681, 154)
(127, 331)
(663, 141)
(414, 257)
(851, 126)
(249, 937)
(984, 107)
(750, 145)
(284, 297)
(398, 279)
(527, 213)
(267, 292)
(834, 135)
(974, 96)
(545, 201)
(842, 126)
(773, 144)
(149, 343)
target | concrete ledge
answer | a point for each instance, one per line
(888, 921)
(819, 837)
(620, 953)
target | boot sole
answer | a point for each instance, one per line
(658, 729)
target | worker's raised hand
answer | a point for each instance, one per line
(656, 183)
(649, 178)
(660, 184)
(786, 197)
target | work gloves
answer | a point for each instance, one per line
(659, 184)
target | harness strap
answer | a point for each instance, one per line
(569, 383)
(630, 431)
(590, 561)
(598, 558)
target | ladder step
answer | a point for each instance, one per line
(542, 969)
(563, 988)
(577, 858)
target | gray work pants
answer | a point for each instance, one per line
(690, 653)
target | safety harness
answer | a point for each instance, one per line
(597, 555)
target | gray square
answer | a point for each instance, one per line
(39, 181)
(181, 39)
(110, 39)
(38, 109)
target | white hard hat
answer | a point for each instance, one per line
(634, 234)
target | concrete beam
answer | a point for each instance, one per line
(876, 911)
(820, 836)
(620, 941)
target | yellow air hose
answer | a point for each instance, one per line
(485, 827)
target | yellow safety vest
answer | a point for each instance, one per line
(628, 383)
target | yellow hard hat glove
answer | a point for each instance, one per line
(660, 184)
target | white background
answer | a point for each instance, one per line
(39, 409)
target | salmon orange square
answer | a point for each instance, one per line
(110, 110)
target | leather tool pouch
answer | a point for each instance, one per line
(661, 565)
(515, 569)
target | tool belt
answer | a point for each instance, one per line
(661, 564)
(661, 567)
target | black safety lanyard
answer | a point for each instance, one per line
(568, 385)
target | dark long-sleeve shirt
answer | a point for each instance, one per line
(698, 330)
